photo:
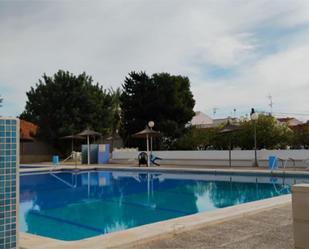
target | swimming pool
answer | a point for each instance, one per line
(76, 205)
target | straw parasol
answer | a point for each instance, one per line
(228, 129)
(73, 137)
(88, 133)
(147, 133)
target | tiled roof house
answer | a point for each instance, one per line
(28, 130)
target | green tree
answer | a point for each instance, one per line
(65, 104)
(270, 134)
(301, 136)
(166, 99)
(200, 139)
(207, 138)
(193, 139)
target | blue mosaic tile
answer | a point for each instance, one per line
(8, 176)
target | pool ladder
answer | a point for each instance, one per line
(284, 162)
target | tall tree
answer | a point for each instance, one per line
(166, 99)
(301, 136)
(1, 101)
(270, 134)
(202, 139)
(65, 104)
(116, 120)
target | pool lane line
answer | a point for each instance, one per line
(190, 194)
(94, 229)
(149, 207)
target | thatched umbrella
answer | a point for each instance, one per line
(73, 137)
(228, 129)
(87, 133)
(147, 133)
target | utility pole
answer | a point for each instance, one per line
(271, 103)
(214, 111)
(254, 117)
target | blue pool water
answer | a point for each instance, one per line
(77, 205)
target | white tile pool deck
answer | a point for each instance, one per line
(174, 231)
(270, 229)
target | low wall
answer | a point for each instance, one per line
(218, 157)
(300, 204)
(36, 151)
(35, 158)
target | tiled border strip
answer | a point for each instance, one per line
(158, 230)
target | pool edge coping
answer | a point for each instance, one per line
(233, 170)
(157, 230)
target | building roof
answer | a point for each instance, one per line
(290, 121)
(219, 121)
(27, 130)
(201, 118)
(301, 126)
(284, 119)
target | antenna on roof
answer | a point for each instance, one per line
(214, 111)
(271, 103)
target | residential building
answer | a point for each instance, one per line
(222, 121)
(289, 121)
(32, 149)
(201, 120)
(28, 130)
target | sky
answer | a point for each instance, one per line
(235, 52)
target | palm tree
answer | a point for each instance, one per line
(115, 96)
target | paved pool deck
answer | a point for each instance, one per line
(271, 229)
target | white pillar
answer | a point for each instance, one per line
(148, 155)
(150, 144)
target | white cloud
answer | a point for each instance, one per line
(284, 75)
(107, 39)
(226, 51)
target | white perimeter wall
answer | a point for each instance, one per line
(218, 157)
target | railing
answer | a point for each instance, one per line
(284, 162)
(75, 155)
